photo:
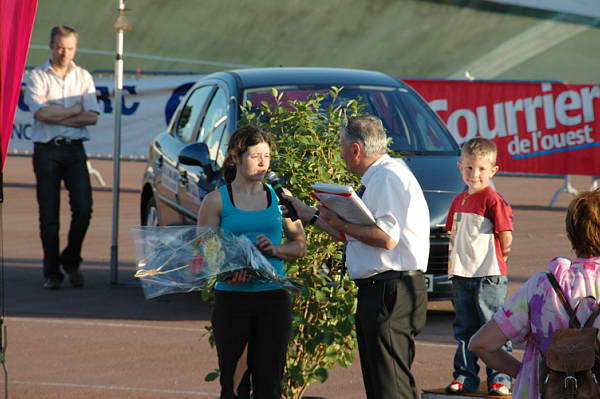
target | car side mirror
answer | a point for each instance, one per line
(197, 154)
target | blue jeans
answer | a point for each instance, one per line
(53, 164)
(475, 302)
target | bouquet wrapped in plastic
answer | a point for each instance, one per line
(174, 259)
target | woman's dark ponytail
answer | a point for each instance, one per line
(229, 169)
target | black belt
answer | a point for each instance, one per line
(389, 275)
(60, 140)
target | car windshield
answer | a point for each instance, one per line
(413, 127)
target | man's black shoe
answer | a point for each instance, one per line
(52, 283)
(76, 279)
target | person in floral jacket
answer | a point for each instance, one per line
(532, 315)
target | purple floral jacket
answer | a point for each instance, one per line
(534, 312)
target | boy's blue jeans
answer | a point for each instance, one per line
(475, 300)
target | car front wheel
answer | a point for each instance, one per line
(150, 213)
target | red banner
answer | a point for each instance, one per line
(16, 23)
(539, 127)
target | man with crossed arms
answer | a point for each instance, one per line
(62, 98)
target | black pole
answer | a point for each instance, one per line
(3, 335)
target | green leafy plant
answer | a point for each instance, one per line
(306, 135)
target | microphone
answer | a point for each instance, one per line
(275, 182)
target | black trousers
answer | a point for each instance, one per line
(262, 321)
(390, 314)
(53, 164)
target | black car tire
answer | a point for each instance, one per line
(150, 213)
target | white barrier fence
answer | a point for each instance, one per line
(149, 102)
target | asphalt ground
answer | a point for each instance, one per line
(107, 341)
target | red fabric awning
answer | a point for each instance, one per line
(16, 24)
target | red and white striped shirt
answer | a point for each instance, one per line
(474, 222)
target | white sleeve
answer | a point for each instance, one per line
(35, 91)
(387, 198)
(89, 99)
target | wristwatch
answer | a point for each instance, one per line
(315, 217)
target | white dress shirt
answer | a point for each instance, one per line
(44, 87)
(396, 200)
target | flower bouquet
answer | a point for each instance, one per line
(174, 259)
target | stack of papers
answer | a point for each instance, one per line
(344, 201)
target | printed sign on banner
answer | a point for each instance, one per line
(148, 104)
(538, 127)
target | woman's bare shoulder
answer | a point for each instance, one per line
(213, 198)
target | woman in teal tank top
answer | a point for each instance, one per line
(252, 319)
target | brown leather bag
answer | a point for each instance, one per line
(571, 366)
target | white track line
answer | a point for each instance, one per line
(419, 342)
(99, 324)
(149, 57)
(113, 388)
(521, 48)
